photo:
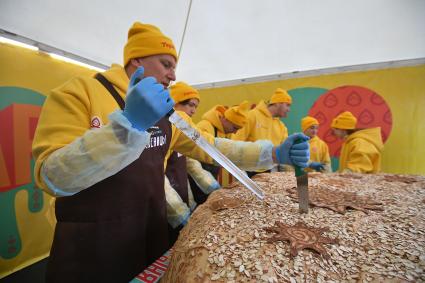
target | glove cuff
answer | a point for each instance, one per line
(278, 158)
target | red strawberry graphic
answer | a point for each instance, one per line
(330, 100)
(354, 99)
(321, 117)
(366, 117)
(376, 99)
(388, 118)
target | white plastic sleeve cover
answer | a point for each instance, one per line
(203, 178)
(249, 156)
(93, 157)
(177, 210)
(192, 202)
(328, 168)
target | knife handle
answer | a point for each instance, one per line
(298, 170)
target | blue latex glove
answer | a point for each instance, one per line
(318, 166)
(294, 154)
(146, 102)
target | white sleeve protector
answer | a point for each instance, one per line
(249, 156)
(177, 210)
(203, 178)
(93, 157)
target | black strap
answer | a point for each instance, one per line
(215, 132)
(111, 90)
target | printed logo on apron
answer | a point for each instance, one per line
(158, 137)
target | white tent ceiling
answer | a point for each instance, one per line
(231, 39)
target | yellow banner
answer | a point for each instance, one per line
(26, 213)
(391, 98)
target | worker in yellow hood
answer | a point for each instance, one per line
(362, 148)
(319, 150)
(219, 121)
(264, 121)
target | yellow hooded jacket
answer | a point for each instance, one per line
(319, 152)
(361, 151)
(211, 121)
(262, 126)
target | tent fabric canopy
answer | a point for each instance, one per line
(228, 40)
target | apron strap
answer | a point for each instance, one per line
(111, 90)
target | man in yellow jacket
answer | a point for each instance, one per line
(220, 122)
(100, 147)
(362, 148)
(319, 150)
(264, 121)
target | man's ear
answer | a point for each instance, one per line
(135, 62)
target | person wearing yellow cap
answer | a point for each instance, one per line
(99, 143)
(264, 121)
(319, 150)
(220, 122)
(178, 195)
(100, 148)
(362, 148)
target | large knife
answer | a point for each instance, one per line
(212, 151)
(302, 187)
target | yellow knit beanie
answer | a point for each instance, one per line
(345, 121)
(307, 122)
(238, 114)
(280, 96)
(146, 40)
(181, 91)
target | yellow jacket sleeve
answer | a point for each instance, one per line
(177, 210)
(181, 143)
(203, 178)
(247, 155)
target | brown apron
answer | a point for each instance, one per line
(113, 230)
(177, 175)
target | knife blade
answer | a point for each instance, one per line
(302, 186)
(212, 151)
